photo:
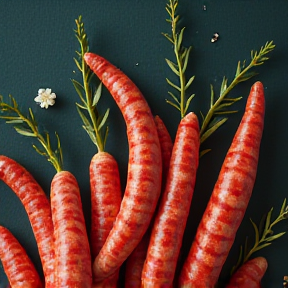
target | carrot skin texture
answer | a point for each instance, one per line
(249, 274)
(144, 168)
(17, 265)
(228, 202)
(106, 199)
(168, 229)
(38, 209)
(135, 262)
(72, 251)
(166, 146)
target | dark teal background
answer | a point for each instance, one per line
(37, 47)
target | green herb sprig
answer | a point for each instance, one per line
(95, 126)
(28, 126)
(264, 235)
(179, 67)
(218, 107)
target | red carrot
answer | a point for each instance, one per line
(72, 263)
(38, 209)
(18, 267)
(135, 262)
(166, 145)
(249, 274)
(167, 232)
(106, 198)
(144, 168)
(72, 251)
(229, 200)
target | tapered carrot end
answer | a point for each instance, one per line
(94, 61)
(262, 265)
(257, 86)
(249, 274)
(256, 99)
(88, 56)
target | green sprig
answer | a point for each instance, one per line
(215, 116)
(95, 126)
(264, 235)
(179, 67)
(219, 106)
(28, 126)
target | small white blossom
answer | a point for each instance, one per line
(45, 98)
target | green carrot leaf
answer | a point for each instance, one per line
(172, 66)
(97, 95)
(103, 120)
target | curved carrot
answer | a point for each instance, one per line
(106, 199)
(135, 262)
(72, 251)
(144, 168)
(18, 267)
(38, 209)
(249, 274)
(167, 232)
(229, 200)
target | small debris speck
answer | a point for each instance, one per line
(137, 64)
(215, 37)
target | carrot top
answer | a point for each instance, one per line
(28, 126)
(95, 127)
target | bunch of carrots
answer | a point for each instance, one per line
(144, 227)
(140, 229)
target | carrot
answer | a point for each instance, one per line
(106, 198)
(18, 267)
(167, 232)
(166, 146)
(135, 261)
(227, 205)
(249, 274)
(144, 168)
(38, 209)
(72, 251)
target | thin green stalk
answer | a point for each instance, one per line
(27, 126)
(89, 102)
(257, 58)
(179, 68)
(264, 235)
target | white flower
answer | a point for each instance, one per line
(45, 98)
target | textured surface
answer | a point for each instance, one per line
(37, 47)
